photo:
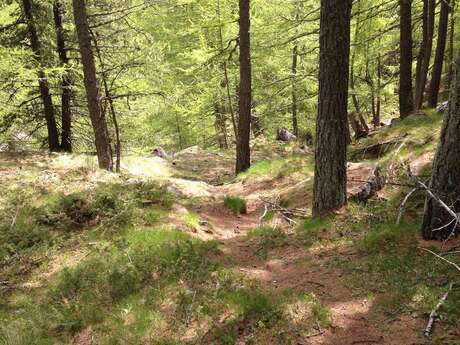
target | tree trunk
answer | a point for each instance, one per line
(53, 136)
(445, 181)
(98, 121)
(424, 56)
(450, 71)
(295, 56)
(330, 183)
(243, 154)
(220, 125)
(435, 83)
(376, 118)
(406, 102)
(66, 84)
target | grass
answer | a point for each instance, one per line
(278, 168)
(235, 204)
(266, 239)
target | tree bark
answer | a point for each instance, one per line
(295, 56)
(243, 154)
(436, 75)
(424, 56)
(66, 84)
(406, 102)
(445, 181)
(329, 192)
(98, 121)
(53, 136)
(450, 71)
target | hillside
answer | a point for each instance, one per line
(164, 252)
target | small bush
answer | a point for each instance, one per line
(237, 205)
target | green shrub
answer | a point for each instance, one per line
(237, 205)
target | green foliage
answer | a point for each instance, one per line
(235, 204)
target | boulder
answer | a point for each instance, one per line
(364, 181)
(284, 135)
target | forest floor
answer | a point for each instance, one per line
(160, 254)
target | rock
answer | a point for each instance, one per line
(179, 209)
(395, 121)
(284, 135)
(364, 181)
(159, 152)
(443, 107)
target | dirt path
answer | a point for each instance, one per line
(297, 269)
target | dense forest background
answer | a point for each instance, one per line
(171, 68)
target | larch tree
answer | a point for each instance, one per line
(45, 94)
(445, 181)
(424, 56)
(406, 98)
(330, 192)
(98, 121)
(243, 153)
(66, 83)
(435, 83)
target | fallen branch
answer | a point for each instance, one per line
(287, 213)
(403, 204)
(441, 257)
(434, 312)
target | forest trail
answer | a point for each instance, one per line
(290, 267)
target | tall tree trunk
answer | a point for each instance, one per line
(378, 106)
(53, 136)
(227, 79)
(98, 121)
(450, 71)
(66, 84)
(243, 154)
(406, 102)
(220, 125)
(436, 75)
(330, 192)
(445, 181)
(424, 56)
(295, 56)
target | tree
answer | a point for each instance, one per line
(243, 153)
(329, 191)
(98, 121)
(424, 57)
(66, 83)
(45, 94)
(445, 180)
(406, 102)
(436, 75)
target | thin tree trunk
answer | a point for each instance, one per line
(424, 56)
(227, 81)
(53, 136)
(445, 181)
(330, 183)
(450, 72)
(295, 55)
(406, 102)
(109, 99)
(98, 121)
(435, 83)
(243, 153)
(66, 84)
(220, 124)
(376, 117)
